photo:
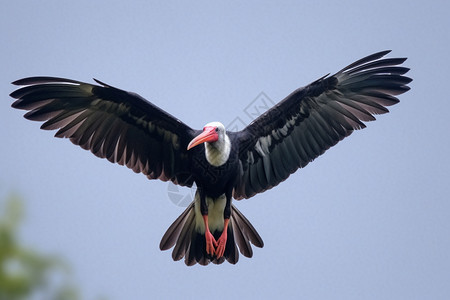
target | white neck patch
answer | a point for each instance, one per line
(217, 153)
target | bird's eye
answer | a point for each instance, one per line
(217, 129)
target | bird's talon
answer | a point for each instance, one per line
(221, 245)
(211, 243)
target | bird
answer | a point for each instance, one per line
(126, 129)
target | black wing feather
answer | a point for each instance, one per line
(113, 124)
(314, 118)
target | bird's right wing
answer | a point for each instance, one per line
(114, 124)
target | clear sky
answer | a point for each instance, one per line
(370, 219)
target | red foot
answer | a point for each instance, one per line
(211, 243)
(221, 243)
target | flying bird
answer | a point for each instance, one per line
(126, 129)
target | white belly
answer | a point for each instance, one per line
(215, 213)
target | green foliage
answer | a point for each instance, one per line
(25, 273)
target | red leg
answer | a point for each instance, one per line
(222, 241)
(211, 242)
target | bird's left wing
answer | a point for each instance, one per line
(313, 118)
(114, 124)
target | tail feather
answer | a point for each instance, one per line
(173, 232)
(194, 253)
(231, 250)
(190, 243)
(241, 239)
(183, 241)
(248, 232)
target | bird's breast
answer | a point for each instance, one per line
(215, 180)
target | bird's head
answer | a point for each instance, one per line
(212, 133)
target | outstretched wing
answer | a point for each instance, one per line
(313, 118)
(114, 124)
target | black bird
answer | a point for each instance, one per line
(126, 129)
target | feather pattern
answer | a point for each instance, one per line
(314, 118)
(189, 241)
(114, 124)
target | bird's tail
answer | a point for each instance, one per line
(190, 243)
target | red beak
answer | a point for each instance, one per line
(209, 134)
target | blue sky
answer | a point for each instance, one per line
(370, 219)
